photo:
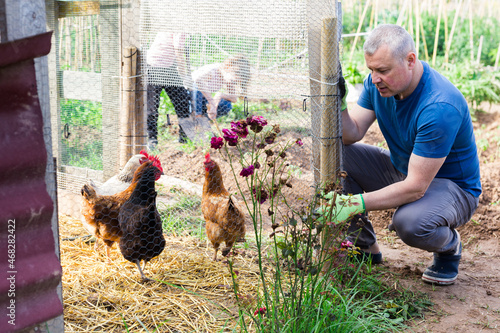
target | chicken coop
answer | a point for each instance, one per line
(133, 75)
(100, 71)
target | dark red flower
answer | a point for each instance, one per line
(299, 142)
(260, 194)
(248, 171)
(216, 142)
(270, 138)
(260, 311)
(256, 123)
(240, 128)
(261, 145)
(230, 136)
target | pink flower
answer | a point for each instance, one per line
(216, 142)
(299, 142)
(256, 123)
(248, 171)
(260, 311)
(230, 136)
(346, 244)
(240, 128)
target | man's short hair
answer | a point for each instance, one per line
(394, 36)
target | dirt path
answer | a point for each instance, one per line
(472, 304)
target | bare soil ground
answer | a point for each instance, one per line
(473, 303)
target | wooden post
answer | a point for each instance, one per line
(315, 13)
(479, 49)
(330, 138)
(128, 103)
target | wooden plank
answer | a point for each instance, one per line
(128, 104)
(330, 136)
(77, 8)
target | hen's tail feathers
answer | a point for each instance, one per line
(232, 205)
(88, 192)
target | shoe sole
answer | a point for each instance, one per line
(438, 281)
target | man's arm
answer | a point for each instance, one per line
(421, 172)
(355, 123)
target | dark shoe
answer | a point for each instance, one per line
(375, 258)
(444, 269)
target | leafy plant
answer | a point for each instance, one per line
(311, 280)
(352, 74)
(478, 84)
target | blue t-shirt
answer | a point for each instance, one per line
(434, 121)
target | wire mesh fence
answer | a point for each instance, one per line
(119, 62)
(224, 73)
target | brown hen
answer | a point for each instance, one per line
(225, 220)
(100, 212)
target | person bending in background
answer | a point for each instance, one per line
(430, 172)
(168, 69)
(223, 80)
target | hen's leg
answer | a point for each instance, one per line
(215, 253)
(138, 263)
(109, 244)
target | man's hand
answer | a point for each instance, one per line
(346, 206)
(343, 92)
(212, 111)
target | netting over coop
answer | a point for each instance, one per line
(135, 75)
(267, 53)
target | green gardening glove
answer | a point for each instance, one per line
(346, 206)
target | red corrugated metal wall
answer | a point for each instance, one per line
(29, 266)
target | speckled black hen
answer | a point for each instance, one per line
(141, 224)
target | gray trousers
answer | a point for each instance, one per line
(427, 223)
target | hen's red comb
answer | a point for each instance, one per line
(154, 159)
(207, 158)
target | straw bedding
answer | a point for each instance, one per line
(191, 293)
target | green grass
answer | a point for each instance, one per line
(183, 217)
(83, 147)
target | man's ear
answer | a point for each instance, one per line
(411, 60)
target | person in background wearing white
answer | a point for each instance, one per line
(216, 86)
(168, 69)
